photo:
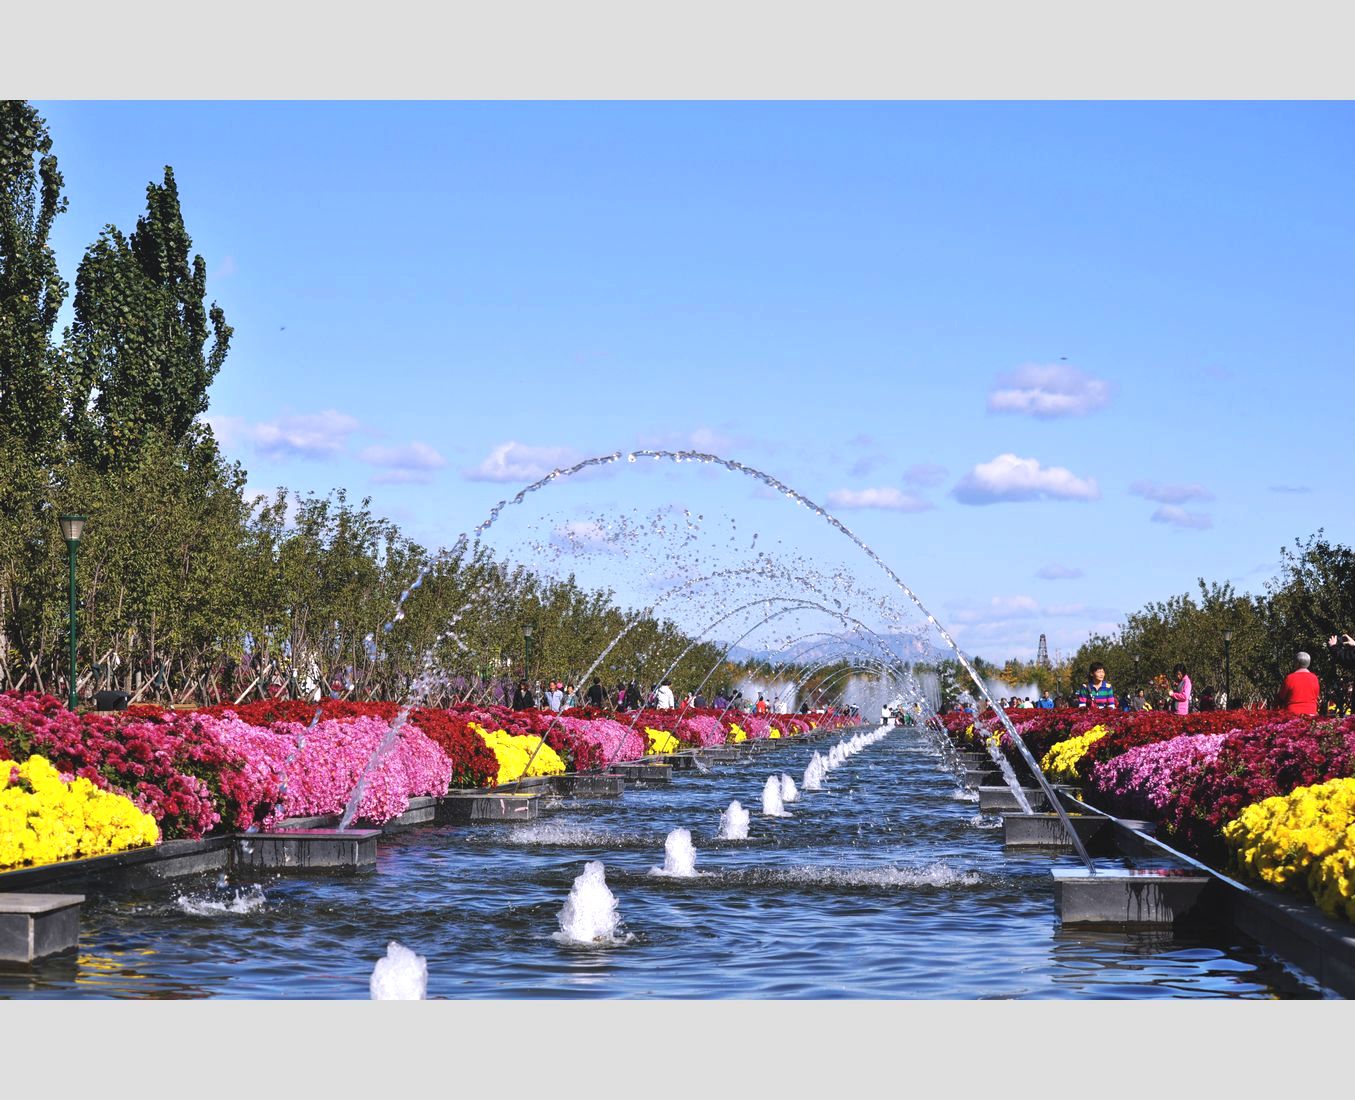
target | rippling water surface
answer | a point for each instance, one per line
(889, 884)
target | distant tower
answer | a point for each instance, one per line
(1042, 655)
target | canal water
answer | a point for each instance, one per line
(889, 884)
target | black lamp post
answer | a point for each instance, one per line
(527, 654)
(72, 527)
(1227, 670)
(1137, 682)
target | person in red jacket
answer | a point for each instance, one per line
(1301, 689)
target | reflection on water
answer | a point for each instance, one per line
(888, 887)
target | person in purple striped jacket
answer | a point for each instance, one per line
(1097, 692)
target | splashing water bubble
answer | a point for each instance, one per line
(589, 915)
(772, 806)
(246, 900)
(400, 976)
(734, 822)
(679, 855)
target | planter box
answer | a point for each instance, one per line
(1047, 830)
(644, 775)
(460, 809)
(588, 786)
(138, 866)
(1126, 898)
(307, 850)
(35, 925)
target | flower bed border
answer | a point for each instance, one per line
(180, 858)
(1295, 930)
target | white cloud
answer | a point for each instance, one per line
(1011, 625)
(1059, 573)
(924, 475)
(311, 435)
(997, 609)
(1170, 494)
(1290, 489)
(711, 441)
(1009, 478)
(410, 464)
(412, 456)
(1179, 517)
(584, 536)
(705, 440)
(890, 499)
(867, 464)
(1048, 391)
(227, 429)
(513, 461)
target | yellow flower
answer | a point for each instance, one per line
(512, 752)
(52, 820)
(1304, 841)
(1060, 762)
(661, 741)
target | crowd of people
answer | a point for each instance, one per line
(558, 695)
(1300, 693)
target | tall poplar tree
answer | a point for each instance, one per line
(31, 288)
(138, 348)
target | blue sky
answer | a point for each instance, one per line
(1051, 360)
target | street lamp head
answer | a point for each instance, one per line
(72, 527)
(1227, 635)
(526, 630)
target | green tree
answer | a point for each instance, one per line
(31, 288)
(138, 347)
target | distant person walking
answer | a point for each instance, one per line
(1301, 688)
(1096, 693)
(555, 698)
(522, 697)
(665, 696)
(1180, 694)
(595, 693)
(1046, 702)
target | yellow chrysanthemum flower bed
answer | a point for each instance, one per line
(512, 752)
(1303, 841)
(1060, 762)
(661, 741)
(738, 733)
(45, 820)
(773, 734)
